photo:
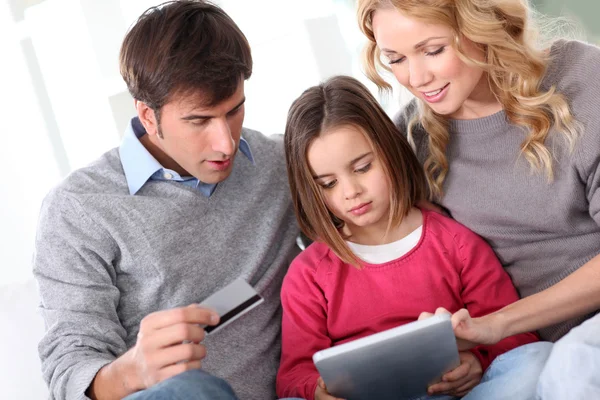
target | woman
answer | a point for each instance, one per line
(508, 132)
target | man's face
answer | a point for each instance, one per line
(195, 140)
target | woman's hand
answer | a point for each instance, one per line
(469, 331)
(461, 379)
(321, 391)
(473, 331)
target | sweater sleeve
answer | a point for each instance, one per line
(73, 266)
(590, 171)
(486, 288)
(304, 329)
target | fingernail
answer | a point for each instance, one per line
(214, 318)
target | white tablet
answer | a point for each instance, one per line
(395, 364)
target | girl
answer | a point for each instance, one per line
(378, 260)
(507, 129)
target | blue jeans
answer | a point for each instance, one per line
(511, 376)
(573, 368)
(190, 385)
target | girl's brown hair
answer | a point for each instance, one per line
(344, 101)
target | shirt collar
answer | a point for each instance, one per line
(139, 165)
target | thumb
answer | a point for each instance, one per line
(321, 383)
(424, 315)
(461, 319)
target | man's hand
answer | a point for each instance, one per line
(460, 380)
(168, 343)
(321, 392)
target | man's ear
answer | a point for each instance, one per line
(147, 117)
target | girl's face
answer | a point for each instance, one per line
(353, 182)
(423, 60)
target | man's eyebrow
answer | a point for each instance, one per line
(354, 161)
(201, 116)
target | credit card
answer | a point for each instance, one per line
(231, 302)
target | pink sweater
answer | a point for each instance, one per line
(327, 302)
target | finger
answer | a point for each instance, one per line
(466, 388)
(192, 314)
(321, 383)
(425, 315)
(457, 373)
(172, 370)
(447, 387)
(461, 318)
(176, 334)
(184, 352)
(442, 311)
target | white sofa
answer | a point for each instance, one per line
(21, 329)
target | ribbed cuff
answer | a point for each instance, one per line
(81, 378)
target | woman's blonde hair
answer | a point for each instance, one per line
(343, 101)
(514, 64)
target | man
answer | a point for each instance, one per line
(127, 247)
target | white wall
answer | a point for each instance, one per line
(63, 75)
(26, 155)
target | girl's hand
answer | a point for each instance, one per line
(321, 392)
(460, 380)
(469, 331)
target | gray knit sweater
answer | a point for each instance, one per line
(541, 231)
(105, 259)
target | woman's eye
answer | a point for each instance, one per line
(436, 52)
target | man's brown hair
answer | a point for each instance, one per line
(344, 101)
(182, 47)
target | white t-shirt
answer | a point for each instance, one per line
(383, 253)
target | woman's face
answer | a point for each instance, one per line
(423, 60)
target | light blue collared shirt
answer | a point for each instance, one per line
(140, 166)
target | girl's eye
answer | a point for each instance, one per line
(328, 185)
(364, 169)
(436, 52)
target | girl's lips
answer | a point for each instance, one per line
(220, 165)
(361, 209)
